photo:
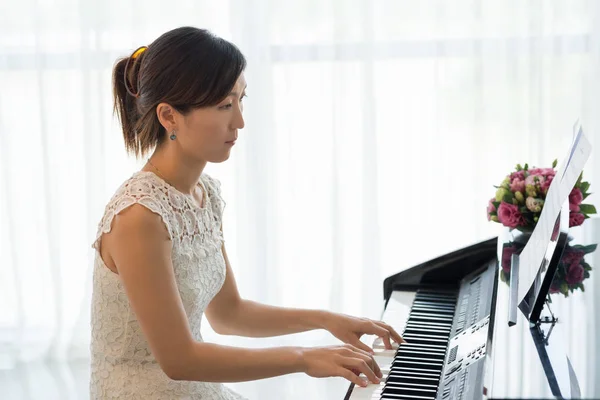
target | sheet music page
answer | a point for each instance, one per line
(532, 256)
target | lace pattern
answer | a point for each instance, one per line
(122, 364)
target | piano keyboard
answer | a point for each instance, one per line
(413, 371)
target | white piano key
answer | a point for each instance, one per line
(396, 315)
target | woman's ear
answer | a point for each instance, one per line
(167, 116)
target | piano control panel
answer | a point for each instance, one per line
(462, 377)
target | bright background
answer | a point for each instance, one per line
(375, 131)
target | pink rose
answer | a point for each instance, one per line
(542, 171)
(546, 184)
(575, 274)
(531, 180)
(517, 185)
(535, 171)
(507, 253)
(517, 175)
(509, 215)
(575, 197)
(520, 175)
(491, 208)
(575, 218)
(572, 256)
(548, 172)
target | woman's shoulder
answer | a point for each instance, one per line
(210, 182)
(140, 184)
(140, 188)
(213, 188)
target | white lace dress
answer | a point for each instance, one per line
(122, 366)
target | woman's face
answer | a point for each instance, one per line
(209, 133)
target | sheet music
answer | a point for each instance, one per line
(532, 256)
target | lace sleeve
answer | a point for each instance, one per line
(213, 187)
(142, 192)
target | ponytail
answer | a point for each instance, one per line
(140, 132)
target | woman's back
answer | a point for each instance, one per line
(122, 363)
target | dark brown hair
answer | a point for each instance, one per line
(186, 67)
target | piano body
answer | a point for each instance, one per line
(453, 312)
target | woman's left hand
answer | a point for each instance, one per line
(350, 329)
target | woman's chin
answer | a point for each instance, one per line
(220, 158)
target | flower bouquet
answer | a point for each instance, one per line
(520, 198)
(571, 272)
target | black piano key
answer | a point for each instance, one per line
(425, 317)
(398, 380)
(445, 331)
(450, 303)
(416, 364)
(407, 384)
(429, 354)
(427, 390)
(445, 310)
(391, 396)
(406, 392)
(403, 376)
(438, 299)
(423, 353)
(428, 324)
(423, 334)
(431, 312)
(428, 345)
(434, 328)
(400, 372)
(436, 292)
(410, 358)
(424, 340)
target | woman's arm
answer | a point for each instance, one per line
(140, 248)
(229, 314)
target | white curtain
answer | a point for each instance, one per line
(375, 131)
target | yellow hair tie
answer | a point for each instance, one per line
(138, 52)
(134, 88)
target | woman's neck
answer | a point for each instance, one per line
(179, 171)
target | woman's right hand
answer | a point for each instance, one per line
(345, 361)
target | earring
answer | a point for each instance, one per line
(173, 136)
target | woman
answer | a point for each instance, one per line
(160, 260)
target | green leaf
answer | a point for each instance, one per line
(582, 287)
(584, 186)
(508, 198)
(554, 163)
(586, 275)
(585, 195)
(526, 167)
(587, 208)
(564, 288)
(496, 204)
(589, 248)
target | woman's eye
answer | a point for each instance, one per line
(226, 106)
